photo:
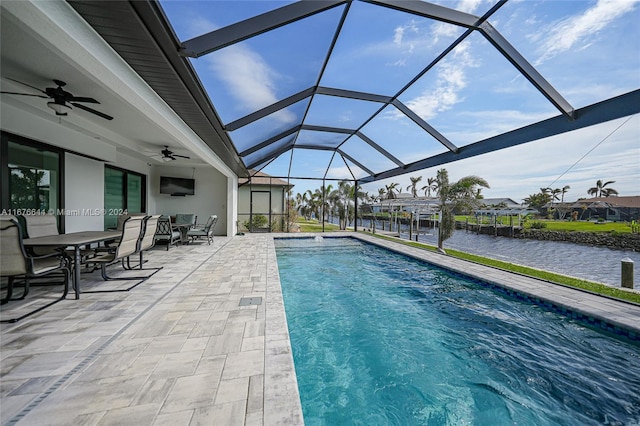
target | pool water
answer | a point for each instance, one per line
(382, 339)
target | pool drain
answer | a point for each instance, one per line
(248, 301)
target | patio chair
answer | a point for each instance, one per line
(16, 263)
(205, 230)
(120, 221)
(40, 226)
(44, 226)
(146, 241)
(128, 245)
(166, 233)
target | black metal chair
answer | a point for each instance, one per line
(206, 231)
(166, 233)
(15, 263)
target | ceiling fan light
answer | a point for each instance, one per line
(166, 159)
(60, 109)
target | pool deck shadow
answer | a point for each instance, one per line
(181, 349)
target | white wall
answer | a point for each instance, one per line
(83, 193)
(210, 194)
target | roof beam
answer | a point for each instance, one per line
(248, 119)
(430, 10)
(328, 129)
(269, 141)
(231, 34)
(330, 91)
(271, 156)
(601, 112)
(380, 149)
(425, 126)
(357, 163)
(315, 147)
(529, 72)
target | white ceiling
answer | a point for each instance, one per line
(28, 58)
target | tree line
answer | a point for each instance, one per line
(547, 196)
(461, 196)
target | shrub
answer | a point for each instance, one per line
(538, 225)
(259, 221)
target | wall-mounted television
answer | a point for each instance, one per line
(177, 186)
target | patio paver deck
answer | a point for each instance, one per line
(179, 349)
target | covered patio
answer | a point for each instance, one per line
(181, 348)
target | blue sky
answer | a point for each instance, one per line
(588, 50)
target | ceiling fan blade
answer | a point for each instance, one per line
(25, 84)
(25, 94)
(92, 111)
(81, 99)
(181, 156)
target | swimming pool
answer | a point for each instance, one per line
(379, 338)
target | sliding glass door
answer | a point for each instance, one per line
(31, 177)
(124, 191)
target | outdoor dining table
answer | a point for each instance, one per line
(75, 240)
(182, 228)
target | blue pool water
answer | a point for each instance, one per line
(381, 339)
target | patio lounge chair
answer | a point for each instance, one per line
(166, 233)
(16, 263)
(205, 230)
(128, 244)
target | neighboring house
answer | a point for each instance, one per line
(262, 203)
(504, 203)
(617, 209)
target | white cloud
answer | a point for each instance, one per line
(574, 32)
(451, 80)
(248, 77)
(520, 171)
(397, 35)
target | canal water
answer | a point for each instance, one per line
(599, 264)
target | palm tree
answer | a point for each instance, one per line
(564, 190)
(460, 195)
(413, 187)
(609, 192)
(600, 191)
(430, 186)
(391, 190)
(341, 201)
(539, 200)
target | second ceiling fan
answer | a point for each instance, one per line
(168, 155)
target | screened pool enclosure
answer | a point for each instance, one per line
(369, 90)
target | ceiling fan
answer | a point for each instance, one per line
(60, 99)
(168, 155)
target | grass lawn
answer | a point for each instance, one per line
(553, 225)
(593, 287)
(315, 226)
(562, 225)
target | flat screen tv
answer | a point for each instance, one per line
(177, 186)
